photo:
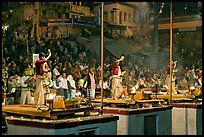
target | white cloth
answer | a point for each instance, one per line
(25, 91)
(73, 85)
(13, 90)
(63, 83)
(93, 85)
(78, 94)
(55, 86)
(81, 83)
(23, 81)
(119, 71)
(55, 72)
(105, 85)
(40, 90)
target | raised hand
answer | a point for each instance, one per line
(49, 51)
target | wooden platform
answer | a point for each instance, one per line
(129, 103)
(32, 111)
(176, 96)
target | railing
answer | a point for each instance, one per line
(80, 9)
(59, 20)
(72, 21)
(179, 19)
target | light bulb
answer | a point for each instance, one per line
(160, 11)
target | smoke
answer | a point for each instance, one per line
(144, 18)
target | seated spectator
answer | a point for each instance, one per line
(55, 71)
(56, 84)
(16, 88)
(25, 89)
(78, 94)
(72, 85)
(64, 86)
(30, 69)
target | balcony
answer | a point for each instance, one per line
(80, 10)
(180, 19)
(182, 22)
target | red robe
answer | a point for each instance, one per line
(39, 67)
(115, 68)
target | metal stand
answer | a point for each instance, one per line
(156, 90)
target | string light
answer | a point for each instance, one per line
(185, 7)
(161, 7)
(160, 11)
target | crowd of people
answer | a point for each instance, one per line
(74, 72)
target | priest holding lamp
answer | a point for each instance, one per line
(117, 74)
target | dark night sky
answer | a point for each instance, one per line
(179, 8)
(4, 6)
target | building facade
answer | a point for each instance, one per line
(46, 16)
(128, 14)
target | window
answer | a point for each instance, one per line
(52, 14)
(22, 15)
(36, 11)
(66, 15)
(59, 15)
(120, 17)
(129, 17)
(43, 12)
(112, 16)
(53, 5)
(134, 16)
(125, 16)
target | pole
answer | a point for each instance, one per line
(27, 44)
(155, 39)
(170, 53)
(3, 46)
(8, 31)
(102, 65)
